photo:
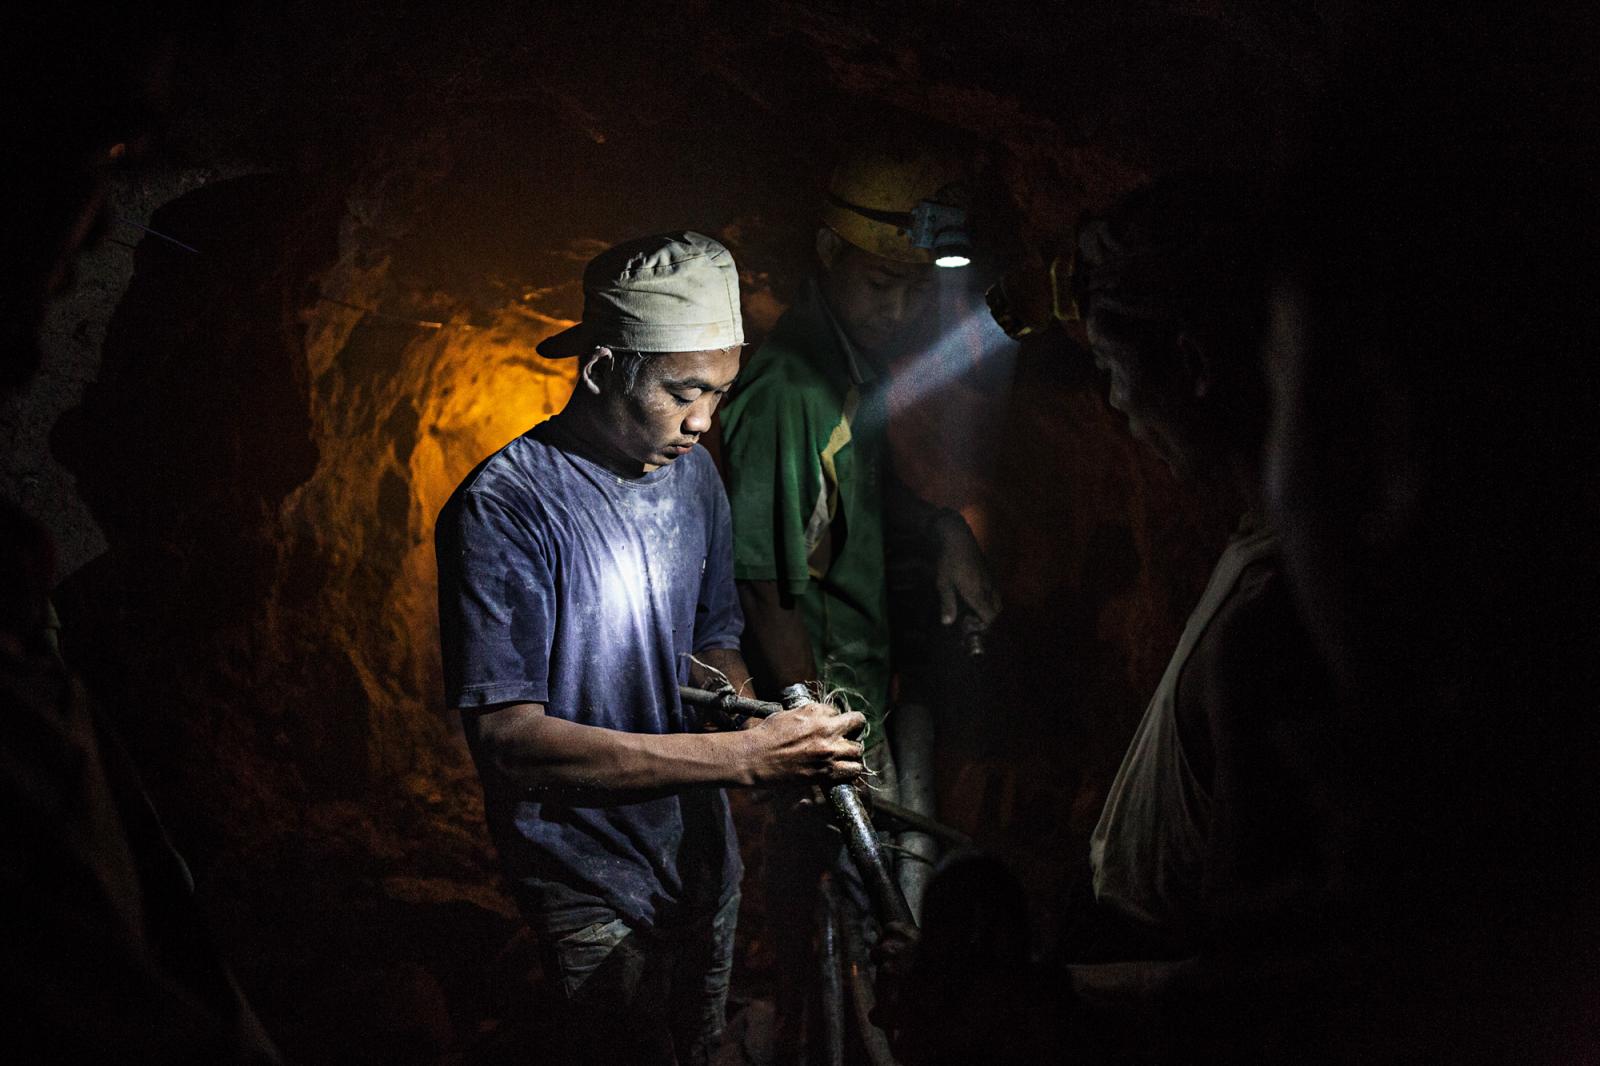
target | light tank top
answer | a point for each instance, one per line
(1148, 849)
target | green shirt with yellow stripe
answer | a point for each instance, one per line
(805, 443)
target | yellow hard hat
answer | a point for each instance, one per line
(908, 204)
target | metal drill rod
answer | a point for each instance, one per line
(727, 701)
(830, 983)
(860, 838)
(906, 818)
(903, 816)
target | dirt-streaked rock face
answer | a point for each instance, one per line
(275, 420)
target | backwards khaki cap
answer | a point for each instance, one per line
(674, 292)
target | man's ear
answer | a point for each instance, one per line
(1195, 359)
(829, 246)
(597, 365)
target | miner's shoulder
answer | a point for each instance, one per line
(504, 478)
(781, 377)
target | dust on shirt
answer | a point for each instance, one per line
(564, 584)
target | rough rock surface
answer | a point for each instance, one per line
(389, 210)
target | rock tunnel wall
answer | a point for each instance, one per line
(275, 419)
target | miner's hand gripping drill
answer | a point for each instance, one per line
(849, 812)
(851, 816)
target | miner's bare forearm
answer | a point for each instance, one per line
(527, 748)
(532, 749)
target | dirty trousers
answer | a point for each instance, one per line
(646, 997)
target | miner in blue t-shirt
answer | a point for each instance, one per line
(585, 571)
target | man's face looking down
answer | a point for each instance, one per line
(664, 410)
(1148, 384)
(876, 301)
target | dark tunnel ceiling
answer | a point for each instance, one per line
(1090, 68)
(617, 114)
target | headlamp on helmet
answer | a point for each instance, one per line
(933, 226)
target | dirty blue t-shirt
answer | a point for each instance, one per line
(563, 584)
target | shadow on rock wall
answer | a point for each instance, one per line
(185, 448)
(267, 464)
(279, 421)
(281, 415)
